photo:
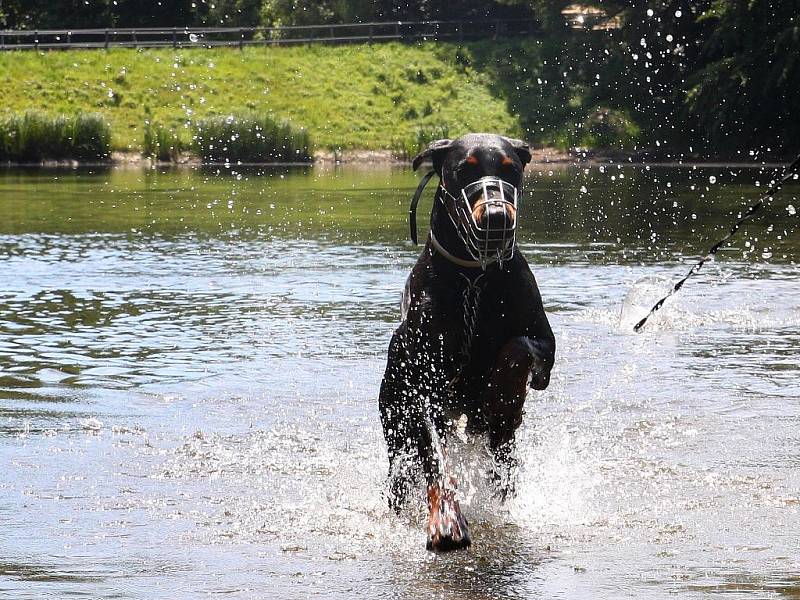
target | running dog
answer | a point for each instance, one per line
(474, 334)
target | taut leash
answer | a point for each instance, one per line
(788, 173)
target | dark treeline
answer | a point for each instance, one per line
(706, 76)
(77, 14)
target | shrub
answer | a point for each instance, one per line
(34, 137)
(407, 148)
(250, 138)
(605, 127)
(160, 143)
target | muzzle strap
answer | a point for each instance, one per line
(412, 210)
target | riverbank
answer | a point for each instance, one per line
(385, 158)
(321, 157)
(347, 97)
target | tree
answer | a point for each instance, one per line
(744, 94)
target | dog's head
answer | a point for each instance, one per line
(481, 181)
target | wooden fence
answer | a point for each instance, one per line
(207, 37)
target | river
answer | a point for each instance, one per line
(190, 361)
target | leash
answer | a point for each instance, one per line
(788, 173)
(412, 210)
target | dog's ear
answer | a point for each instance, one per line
(522, 149)
(435, 153)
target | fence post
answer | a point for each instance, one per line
(241, 38)
(69, 39)
(397, 29)
(174, 38)
(106, 42)
(2, 41)
(135, 41)
(370, 34)
(36, 39)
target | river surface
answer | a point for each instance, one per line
(190, 361)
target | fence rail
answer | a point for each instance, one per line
(207, 37)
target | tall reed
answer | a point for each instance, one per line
(250, 138)
(34, 137)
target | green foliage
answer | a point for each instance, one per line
(250, 138)
(744, 94)
(606, 128)
(76, 14)
(716, 76)
(278, 13)
(237, 13)
(34, 137)
(160, 143)
(408, 147)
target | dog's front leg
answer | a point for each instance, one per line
(407, 413)
(521, 361)
(411, 392)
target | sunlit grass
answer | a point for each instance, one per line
(357, 96)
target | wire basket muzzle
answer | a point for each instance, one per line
(486, 219)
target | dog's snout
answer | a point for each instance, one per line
(494, 215)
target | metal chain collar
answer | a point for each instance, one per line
(470, 305)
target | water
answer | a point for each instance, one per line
(190, 360)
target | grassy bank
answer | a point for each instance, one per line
(366, 97)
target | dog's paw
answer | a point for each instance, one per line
(447, 527)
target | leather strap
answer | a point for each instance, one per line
(412, 210)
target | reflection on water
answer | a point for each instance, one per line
(189, 363)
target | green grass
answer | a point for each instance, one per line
(33, 137)
(360, 96)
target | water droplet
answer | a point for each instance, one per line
(712, 179)
(791, 209)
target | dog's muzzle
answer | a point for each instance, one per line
(486, 219)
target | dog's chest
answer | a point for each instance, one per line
(476, 316)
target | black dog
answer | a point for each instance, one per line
(474, 333)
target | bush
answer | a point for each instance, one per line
(250, 138)
(606, 128)
(34, 137)
(160, 143)
(409, 147)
